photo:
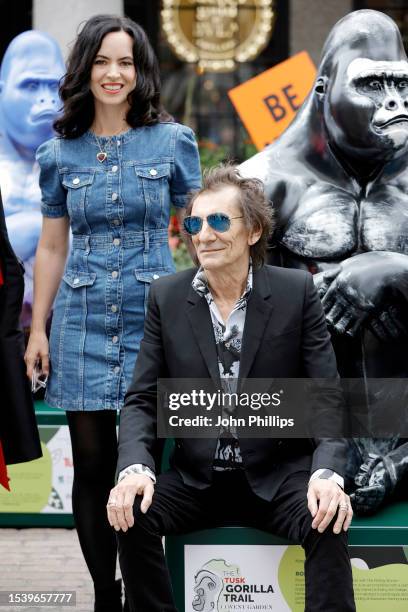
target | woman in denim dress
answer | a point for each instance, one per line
(111, 175)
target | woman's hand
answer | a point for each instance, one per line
(37, 351)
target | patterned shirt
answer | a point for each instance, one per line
(228, 339)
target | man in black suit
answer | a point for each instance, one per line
(232, 319)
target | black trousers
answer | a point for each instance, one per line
(177, 508)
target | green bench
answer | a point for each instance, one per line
(388, 529)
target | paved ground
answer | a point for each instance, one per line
(43, 560)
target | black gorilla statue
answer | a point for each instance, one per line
(338, 180)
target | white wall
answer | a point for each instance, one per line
(310, 21)
(61, 18)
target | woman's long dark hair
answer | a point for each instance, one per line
(75, 92)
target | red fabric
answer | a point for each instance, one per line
(4, 479)
(1, 277)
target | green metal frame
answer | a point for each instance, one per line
(389, 527)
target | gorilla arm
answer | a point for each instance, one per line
(24, 229)
(363, 290)
(380, 479)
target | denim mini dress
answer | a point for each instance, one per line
(119, 212)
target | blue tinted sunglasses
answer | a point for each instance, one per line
(219, 222)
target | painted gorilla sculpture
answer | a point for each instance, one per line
(338, 179)
(29, 77)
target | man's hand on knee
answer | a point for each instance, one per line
(122, 497)
(325, 498)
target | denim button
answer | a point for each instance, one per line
(114, 197)
(116, 241)
(115, 339)
(155, 276)
(114, 168)
(76, 281)
(115, 274)
(153, 172)
(76, 181)
(114, 308)
(118, 143)
(116, 222)
(116, 369)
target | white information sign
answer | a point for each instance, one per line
(228, 578)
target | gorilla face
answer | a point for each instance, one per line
(29, 97)
(366, 108)
(207, 589)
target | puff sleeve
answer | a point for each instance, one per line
(186, 175)
(53, 195)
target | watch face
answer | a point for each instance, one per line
(326, 474)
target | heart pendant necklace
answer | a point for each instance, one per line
(102, 154)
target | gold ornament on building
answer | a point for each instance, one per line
(216, 34)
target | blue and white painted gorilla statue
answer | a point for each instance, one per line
(30, 72)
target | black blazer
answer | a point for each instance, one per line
(285, 336)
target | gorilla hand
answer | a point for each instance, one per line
(367, 500)
(358, 291)
(388, 325)
(323, 280)
(385, 473)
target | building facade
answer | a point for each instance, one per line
(195, 95)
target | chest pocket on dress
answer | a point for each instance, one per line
(78, 185)
(147, 276)
(77, 279)
(154, 183)
(75, 295)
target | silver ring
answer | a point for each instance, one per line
(344, 507)
(111, 502)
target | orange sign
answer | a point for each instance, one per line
(268, 102)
